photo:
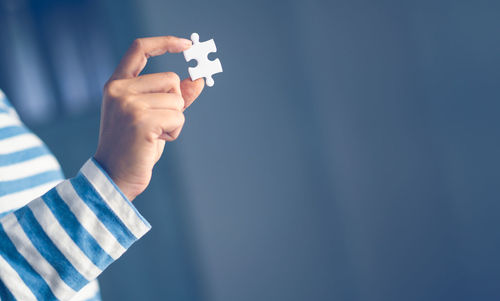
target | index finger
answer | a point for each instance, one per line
(137, 55)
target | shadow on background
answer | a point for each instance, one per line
(349, 151)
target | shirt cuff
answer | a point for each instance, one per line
(56, 244)
(114, 198)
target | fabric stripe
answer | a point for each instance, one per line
(35, 259)
(8, 120)
(17, 200)
(46, 247)
(5, 293)
(97, 297)
(4, 103)
(89, 221)
(15, 288)
(62, 240)
(89, 292)
(28, 279)
(29, 168)
(80, 236)
(92, 199)
(13, 112)
(120, 205)
(11, 131)
(19, 143)
(50, 248)
(110, 185)
(23, 155)
(2, 214)
(12, 186)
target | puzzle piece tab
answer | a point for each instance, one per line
(199, 52)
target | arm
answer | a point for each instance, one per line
(59, 242)
(56, 244)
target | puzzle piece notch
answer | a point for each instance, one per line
(205, 67)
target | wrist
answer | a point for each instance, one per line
(123, 187)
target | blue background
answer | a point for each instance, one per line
(349, 151)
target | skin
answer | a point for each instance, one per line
(140, 113)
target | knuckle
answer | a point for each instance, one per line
(128, 101)
(172, 76)
(179, 121)
(137, 44)
(175, 135)
(111, 88)
(151, 137)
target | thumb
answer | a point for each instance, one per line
(191, 90)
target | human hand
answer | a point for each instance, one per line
(140, 113)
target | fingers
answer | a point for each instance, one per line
(156, 82)
(168, 82)
(166, 124)
(191, 90)
(160, 101)
(141, 49)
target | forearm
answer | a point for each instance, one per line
(56, 244)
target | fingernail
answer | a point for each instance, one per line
(187, 42)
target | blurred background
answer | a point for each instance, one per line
(349, 151)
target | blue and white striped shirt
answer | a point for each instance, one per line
(56, 235)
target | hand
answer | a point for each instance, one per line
(140, 113)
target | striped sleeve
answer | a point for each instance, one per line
(56, 244)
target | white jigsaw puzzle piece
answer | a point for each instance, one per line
(199, 52)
